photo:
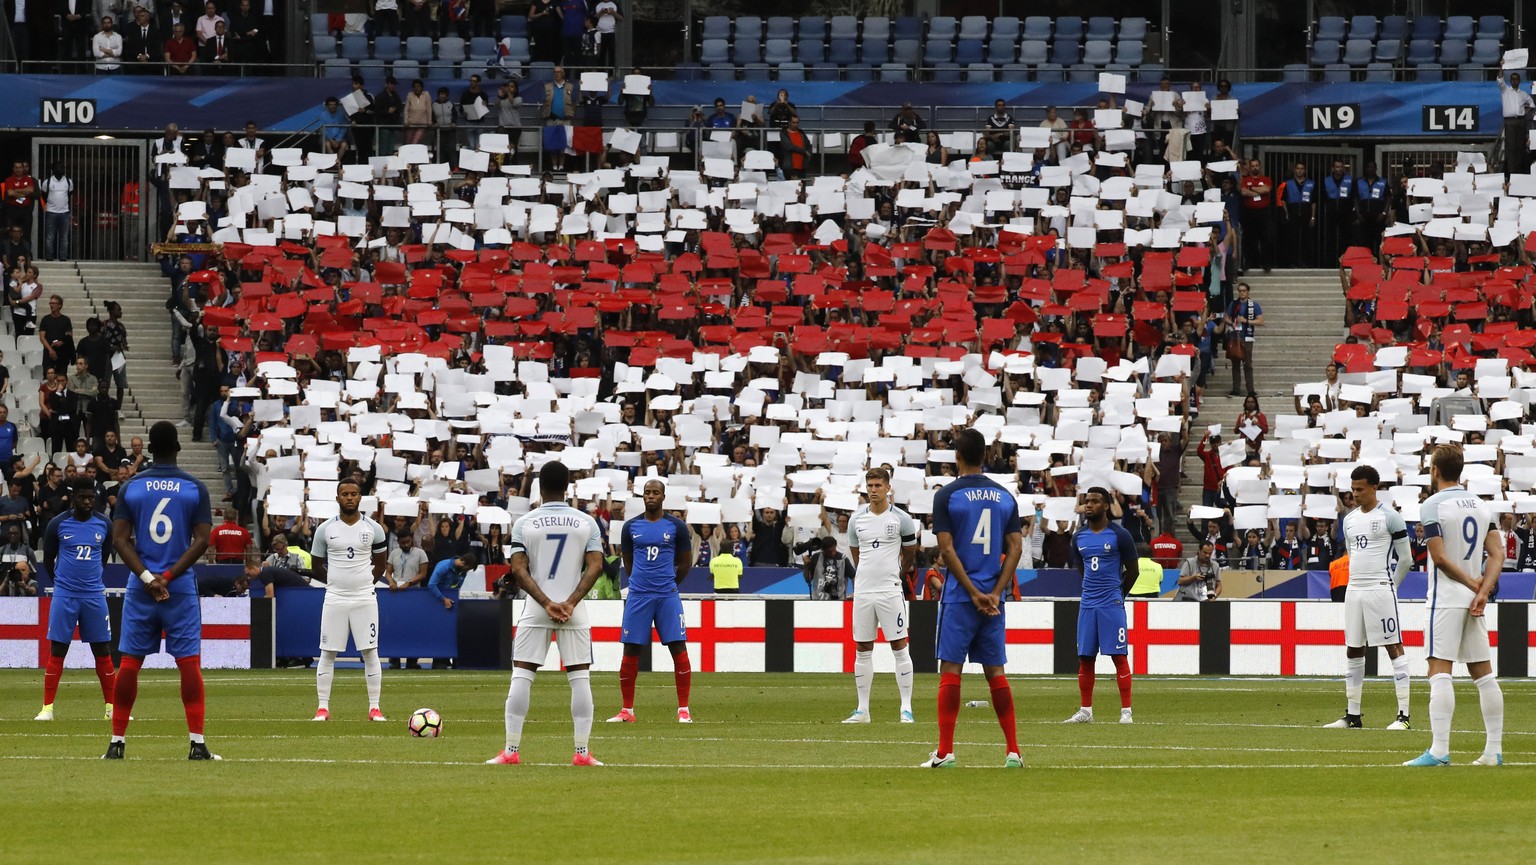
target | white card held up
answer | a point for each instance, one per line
(637, 85)
(1110, 82)
(1224, 109)
(1517, 58)
(594, 82)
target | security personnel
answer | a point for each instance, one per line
(1338, 212)
(1373, 204)
(1298, 213)
(1149, 574)
(1338, 578)
(726, 571)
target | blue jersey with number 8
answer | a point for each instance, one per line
(163, 504)
(978, 513)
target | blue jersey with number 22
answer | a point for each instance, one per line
(163, 503)
(978, 513)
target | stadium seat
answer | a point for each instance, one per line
(1471, 72)
(326, 47)
(876, 28)
(1005, 27)
(689, 72)
(780, 27)
(943, 27)
(1066, 53)
(1013, 73)
(746, 51)
(1486, 52)
(1097, 53)
(453, 49)
(1427, 27)
(973, 27)
(1428, 72)
(1357, 52)
(844, 27)
(859, 72)
(482, 48)
(354, 46)
(908, 52)
(416, 48)
(541, 71)
(1128, 53)
(1454, 52)
(514, 27)
(946, 73)
(755, 72)
(1394, 27)
(937, 51)
(1082, 73)
(1033, 53)
(1490, 27)
(388, 49)
(371, 70)
(1422, 51)
(779, 51)
(1331, 27)
(1325, 51)
(874, 51)
(980, 72)
(1336, 73)
(715, 51)
(1363, 27)
(1100, 27)
(722, 72)
(824, 72)
(813, 28)
(1037, 28)
(319, 25)
(405, 70)
(1069, 27)
(843, 51)
(1149, 73)
(907, 27)
(893, 72)
(1377, 73)
(1050, 73)
(1001, 50)
(1133, 29)
(748, 28)
(518, 51)
(969, 51)
(1388, 50)
(791, 71)
(809, 51)
(441, 70)
(1460, 27)
(716, 27)
(1294, 73)
(336, 67)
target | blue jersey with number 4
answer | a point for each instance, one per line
(653, 547)
(978, 513)
(163, 504)
(76, 546)
(1102, 555)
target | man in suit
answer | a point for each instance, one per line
(558, 109)
(215, 53)
(75, 18)
(142, 45)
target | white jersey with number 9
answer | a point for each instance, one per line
(1462, 522)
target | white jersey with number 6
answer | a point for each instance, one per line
(556, 538)
(348, 552)
(1462, 522)
(879, 538)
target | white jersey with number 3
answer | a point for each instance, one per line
(348, 552)
(556, 538)
(1462, 522)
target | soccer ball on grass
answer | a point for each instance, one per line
(425, 723)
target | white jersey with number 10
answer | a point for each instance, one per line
(1462, 522)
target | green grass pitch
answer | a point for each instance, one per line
(1214, 770)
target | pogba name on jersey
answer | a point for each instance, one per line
(164, 486)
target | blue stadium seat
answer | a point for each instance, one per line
(1069, 27)
(1005, 27)
(1325, 51)
(946, 73)
(1332, 27)
(1427, 27)
(1363, 27)
(907, 27)
(452, 49)
(1049, 73)
(969, 51)
(1082, 73)
(749, 28)
(716, 27)
(876, 28)
(843, 52)
(715, 51)
(541, 71)
(791, 71)
(482, 47)
(943, 27)
(388, 49)
(874, 51)
(780, 27)
(908, 52)
(371, 70)
(326, 47)
(893, 72)
(336, 67)
(1486, 52)
(441, 70)
(1394, 27)
(1119, 69)
(689, 72)
(1133, 29)
(1066, 53)
(980, 72)
(1294, 73)
(1100, 27)
(518, 50)
(1128, 53)
(810, 51)
(813, 28)
(824, 72)
(1490, 27)
(1471, 72)
(973, 27)
(319, 25)
(745, 51)
(1097, 52)
(937, 51)
(1422, 51)
(1001, 50)
(755, 72)
(1037, 28)
(859, 72)
(1357, 52)
(845, 27)
(1378, 73)
(1460, 27)
(1428, 72)
(1013, 73)
(416, 48)
(779, 51)
(1149, 73)
(354, 46)
(1336, 73)
(514, 26)
(1034, 52)
(1388, 50)
(722, 72)
(1454, 52)
(405, 70)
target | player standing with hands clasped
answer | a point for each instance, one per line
(557, 552)
(883, 541)
(1107, 556)
(1377, 542)
(72, 546)
(980, 540)
(657, 554)
(160, 528)
(349, 552)
(1466, 556)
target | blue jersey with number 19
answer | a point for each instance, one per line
(163, 504)
(978, 513)
(653, 547)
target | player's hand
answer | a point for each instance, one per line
(1479, 605)
(985, 603)
(158, 589)
(447, 603)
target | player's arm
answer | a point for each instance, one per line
(1401, 549)
(1013, 549)
(1447, 566)
(853, 543)
(1493, 564)
(1130, 562)
(530, 586)
(380, 556)
(627, 549)
(683, 560)
(51, 546)
(317, 553)
(592, 569)
(122, 542)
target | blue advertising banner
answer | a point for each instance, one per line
(411, 625)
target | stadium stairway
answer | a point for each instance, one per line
(154, 392)
(1303, 322)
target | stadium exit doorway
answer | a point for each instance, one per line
(111, 195)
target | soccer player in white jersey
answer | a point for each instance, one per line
(350, 552)
(883, 541)
(557, 555)
(1465, 556)
(1377, 540)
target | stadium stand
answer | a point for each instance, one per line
(1413, 48)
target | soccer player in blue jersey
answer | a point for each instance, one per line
(72, 545)
(1107, 556)
(657, 553)
(161, 527)
(980, 541)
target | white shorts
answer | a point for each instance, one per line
(888, 612)
(339, 618)
(530, 644)
(1456, 635)
(1370, 617)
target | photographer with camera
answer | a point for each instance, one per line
(1200, 577)
(16, 581)
(827, 572)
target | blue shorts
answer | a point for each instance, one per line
(665, 611)
(180, 617)
(965, 632)
(90, 613)
(1100, 631)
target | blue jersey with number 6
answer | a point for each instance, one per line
(163, 504)
(653, 547)
(978, 513)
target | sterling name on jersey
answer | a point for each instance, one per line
(1377, 542)
(1462, 522)
(880, 539)
(348, 552)
(556, 539)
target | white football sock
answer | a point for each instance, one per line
(1354, 683)
(1442, 707)
(518, 698)
(325, 672)
(1400, 681)
(581, 706)
(863, 677)
(373, 675)
(1492, 700)
(904, 676)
